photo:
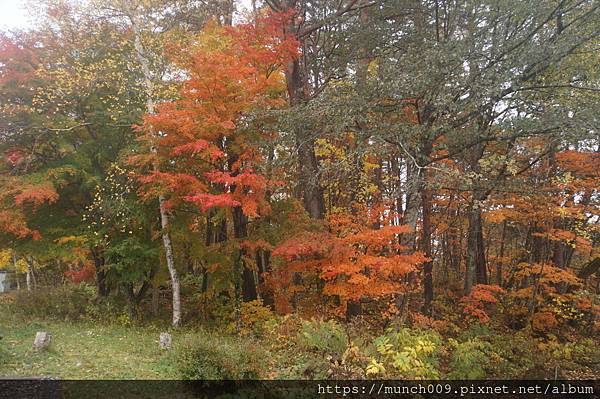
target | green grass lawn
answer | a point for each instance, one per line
(85, 350)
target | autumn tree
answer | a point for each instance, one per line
(205, 153)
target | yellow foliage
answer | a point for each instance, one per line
(5, 258)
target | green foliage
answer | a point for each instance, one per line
(406, 354)
(323, 336)
(131, 259)
(468, 359)
(212, 357)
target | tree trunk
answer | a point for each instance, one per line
(425, 244)
(591, 267)
(102, 289)
(558, 255)
(164, 219)
(31, 280)
(131, 301)
(476, 269)
(309, 186)
(134, 299)
(481, 273)
(14, 259)
(264, 266)
(240, 230)
(501, 256)
(28, 277)
(164, 216)
(155, 298)
(308, 181)
(411, 213)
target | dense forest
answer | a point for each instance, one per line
(403, 188)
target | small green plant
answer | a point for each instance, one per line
(323, 336)
(123, 319)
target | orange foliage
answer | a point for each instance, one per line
(482, 295)
(87, 273)
(420, 320)
(15, 196)
(36, 195)
(548, 277)
(544, 322)
(354, 258)
(205, 143)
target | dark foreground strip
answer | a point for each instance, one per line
(65, 389)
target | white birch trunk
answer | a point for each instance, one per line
(164, 216)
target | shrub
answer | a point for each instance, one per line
(216, 357)
(255, 317)
(4, 354)
(69, 302)
(323, 336)
(469, 359)
(406, 353)
(510, 356)
(544, 322)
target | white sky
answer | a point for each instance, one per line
(12, 14)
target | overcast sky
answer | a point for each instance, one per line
(12, 14)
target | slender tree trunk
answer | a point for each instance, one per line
(411, 213)
(155, 298)
(480, 264)
(101, 287)
(31, 280)
(248, 286)
(131, 301)
(164, 216)
(425, 244)
(501, 256)
(164, 219)
(14, 259)
(476, 270)
(309, 186)
(263, 262)
(28, 277)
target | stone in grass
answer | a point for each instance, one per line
(165, 341)
(42, 340)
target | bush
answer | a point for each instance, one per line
(469, 359)
(4, 354)
(509, 356)
(216, 357)
(323, 336)
(68, 302)
(256, 317)
(406, 353)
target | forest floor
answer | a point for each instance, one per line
(84, 350)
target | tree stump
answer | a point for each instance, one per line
(165, 341)
(42, 340)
